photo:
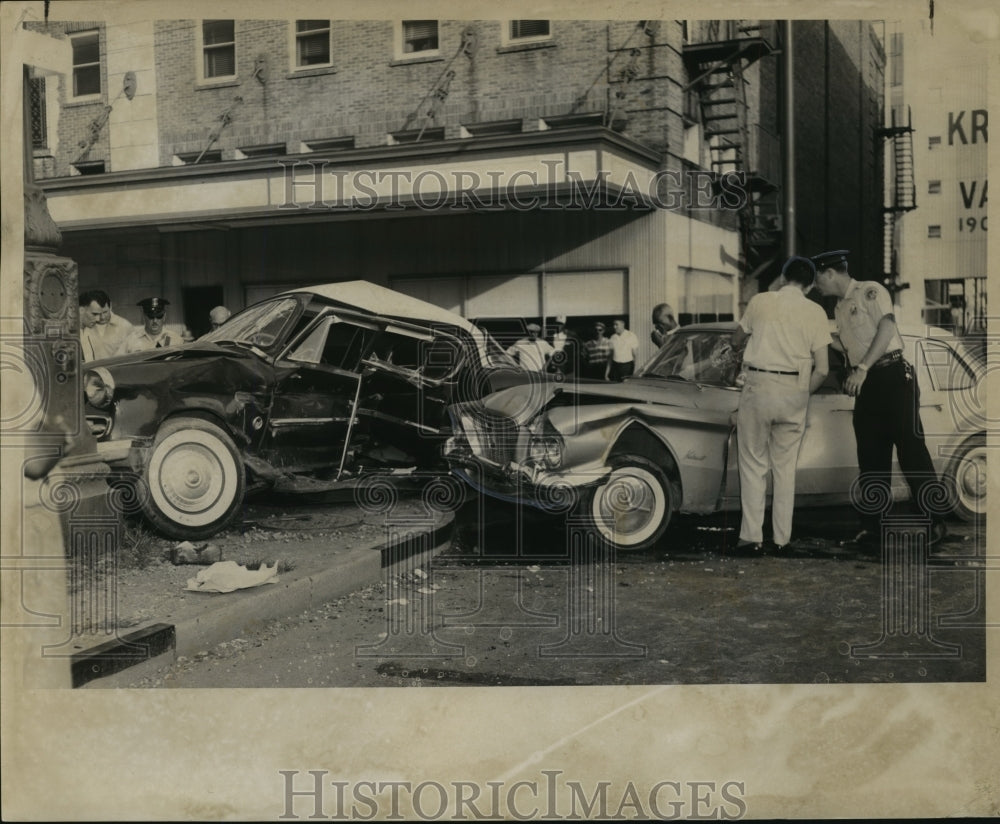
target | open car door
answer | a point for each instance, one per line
(408, 380)
(311, 424)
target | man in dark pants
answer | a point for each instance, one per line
(887, 409)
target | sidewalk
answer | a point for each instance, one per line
(340, 550)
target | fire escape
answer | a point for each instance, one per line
(904, 197)
(717, 55)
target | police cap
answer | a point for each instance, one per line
(154, 307)
(829, 260)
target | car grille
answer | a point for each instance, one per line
(496, 438)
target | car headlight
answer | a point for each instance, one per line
(99, 387)
(546, 450)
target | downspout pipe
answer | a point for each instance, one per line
(789, 139)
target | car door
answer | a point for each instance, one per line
(407, 383)
(318, 380)
(828, 463)
(948, 406)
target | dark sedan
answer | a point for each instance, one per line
(311, 390)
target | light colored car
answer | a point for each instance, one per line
(311, 390)
(627, 456)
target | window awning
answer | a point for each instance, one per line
(565, 168)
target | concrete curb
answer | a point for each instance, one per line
(120, 662)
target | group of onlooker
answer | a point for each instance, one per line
(599, 357)
(104, 334)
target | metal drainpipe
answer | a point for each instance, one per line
(789, 140)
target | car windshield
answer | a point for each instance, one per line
(260, 325)
(701, 356)
(495, 354)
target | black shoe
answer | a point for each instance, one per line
(748, 548)
(771, 548)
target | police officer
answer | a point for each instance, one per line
(786, 359)
(153, 334)
(886, 412)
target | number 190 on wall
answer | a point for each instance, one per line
(972, 224)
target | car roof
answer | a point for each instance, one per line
(380, 300)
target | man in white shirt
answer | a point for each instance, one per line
(786, 359)
(532, 352)
(624, 346)
(101, 330)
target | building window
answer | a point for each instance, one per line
(933, 187)
(268, 150)
(417, 135)
(933, 231)
(493, 127)
(418, 37)
(330, 144)
(92, 167)
(86, 64)
(312, 43)
(39, 124)
(218, 43)
(192, 158)
(521, 31)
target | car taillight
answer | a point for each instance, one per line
(99, 387)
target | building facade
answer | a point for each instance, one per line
(502, 169)
(937, 89)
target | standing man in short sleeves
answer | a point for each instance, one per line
(887, 409)
(786, 359)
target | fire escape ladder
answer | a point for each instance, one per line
(904, 196)
(717, 63)
(724, 116)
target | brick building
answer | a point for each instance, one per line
(502, 169)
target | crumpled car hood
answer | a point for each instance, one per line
(523, 403)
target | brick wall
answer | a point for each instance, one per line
(75, 117)
(368, 94)
(838, 82)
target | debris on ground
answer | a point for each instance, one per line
(227, 576)
(187, 553)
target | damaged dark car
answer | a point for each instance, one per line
(311, 390)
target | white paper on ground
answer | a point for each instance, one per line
(226, 576)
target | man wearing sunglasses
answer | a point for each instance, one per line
(153, 334)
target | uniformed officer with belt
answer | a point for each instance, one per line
(786, 337)
(153, 335)
(887, 409)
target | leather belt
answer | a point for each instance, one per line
(889, 357)
(770, 371)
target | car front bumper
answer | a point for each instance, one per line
(512, 480)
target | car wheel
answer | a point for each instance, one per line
(195, 479)
(966, 475)
(632, 507)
